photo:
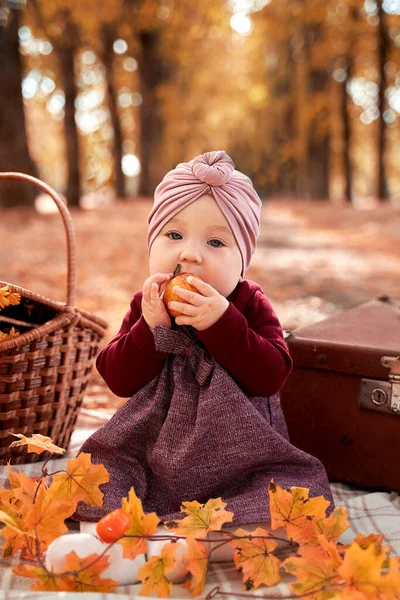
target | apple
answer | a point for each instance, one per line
(169, 295)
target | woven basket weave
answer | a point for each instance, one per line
(45, 370)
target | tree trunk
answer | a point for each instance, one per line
(14, 152)
(108, 36)
(382, 49)
(66, 51)
(152, 72)
(319, 162)
(346, 154)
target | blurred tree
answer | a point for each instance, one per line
(64, 36)
(382, 55)
(108, 36)
(69, 25)
(14, 152)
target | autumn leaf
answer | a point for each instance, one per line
(362, 569)
(152, 574)
(390, 581)
(253, 556)
(38, 443)
(46, 582)
(199, 519)
(88, 580)
(23, 487)
(331, 527)
(314, 570)
(81, 481)
(295, 511)
(47, 515)
(196, 559)
(364, 541)
(7, 297)
(8, 336)
(142, 524)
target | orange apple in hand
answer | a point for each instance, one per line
(169, 294)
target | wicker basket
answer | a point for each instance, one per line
(45, 370)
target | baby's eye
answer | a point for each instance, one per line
(216, 243)
(174, 235)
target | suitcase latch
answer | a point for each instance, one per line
(383, 396)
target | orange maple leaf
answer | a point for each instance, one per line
(253, 556)
(362, 570)
(46, 581)
(295, 511)
(47, 515)
(81, 481)
(142, 524)
(196, 559)
(13, 333)
(199, 519)
(153, 572)
(23, 487)
(38, 443)
(315, 570)
(88, 579)
(7, 297)
(331, 527)
(365, 541)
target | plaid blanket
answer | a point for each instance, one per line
(368, 512)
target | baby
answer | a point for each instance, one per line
(203, 420)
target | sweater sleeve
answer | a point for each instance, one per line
(130, 360)
(248, 342)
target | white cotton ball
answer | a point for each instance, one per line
(122, 570)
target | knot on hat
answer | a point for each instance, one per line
(214, 168)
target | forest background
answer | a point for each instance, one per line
(101, 98)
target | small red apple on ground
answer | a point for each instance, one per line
(169, 294)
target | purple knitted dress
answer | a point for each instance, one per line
(192, 434)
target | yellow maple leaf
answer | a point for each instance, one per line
(23, 487)
(47, 515)
(46, 581)
(15, 505)
(38, 443)
(152, 574)
(295, 511)
(199, 519)
(313, 571)
(366, 540)
(253, 556)
(196, 559)
(88, 579)
(13, 333)
(362, 569)
(7, 297)
(390, 581)
(142, 524)
(331, 527)
(81, 481)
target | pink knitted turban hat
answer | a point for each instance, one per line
(210, 173)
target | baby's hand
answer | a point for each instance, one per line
(153, 308)
(203, 309)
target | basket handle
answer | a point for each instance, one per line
(69, 230)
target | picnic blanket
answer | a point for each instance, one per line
(368, 512)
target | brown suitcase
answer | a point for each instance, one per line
(342, 400)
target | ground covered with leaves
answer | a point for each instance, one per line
(313, 259)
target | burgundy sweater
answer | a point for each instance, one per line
(247, 341)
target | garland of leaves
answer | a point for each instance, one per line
(34, 511)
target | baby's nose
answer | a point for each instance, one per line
(191, 253)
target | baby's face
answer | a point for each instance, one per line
(200, 240)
